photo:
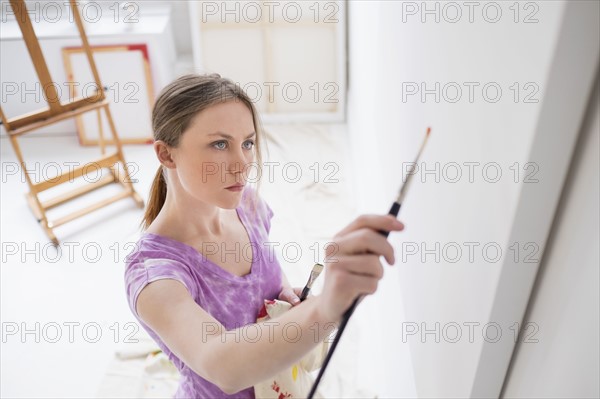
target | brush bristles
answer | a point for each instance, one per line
(316, 270)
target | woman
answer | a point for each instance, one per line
(201, 270)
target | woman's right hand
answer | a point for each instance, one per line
(352, 265)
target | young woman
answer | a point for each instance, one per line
(201, 271)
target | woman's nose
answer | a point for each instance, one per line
(237, 163)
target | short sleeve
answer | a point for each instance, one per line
(143, 272)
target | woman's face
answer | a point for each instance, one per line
(215, 153)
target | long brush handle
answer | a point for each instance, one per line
(346, 317)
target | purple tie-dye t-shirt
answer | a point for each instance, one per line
(234, 301)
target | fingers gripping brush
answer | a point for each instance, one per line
(394, 210)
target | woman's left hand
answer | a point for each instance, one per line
(290, 295)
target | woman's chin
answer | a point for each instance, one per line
(232, 201)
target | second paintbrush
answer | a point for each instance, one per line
(316, 270)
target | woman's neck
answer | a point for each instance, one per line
(186, 220)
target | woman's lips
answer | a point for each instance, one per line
(237, 187)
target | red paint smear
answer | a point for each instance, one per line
(263, 312)
(282, 395)
(140, 47)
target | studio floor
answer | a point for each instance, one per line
(64, 313)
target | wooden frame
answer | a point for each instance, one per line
(57, 111)
(271, 115)
(71, 73)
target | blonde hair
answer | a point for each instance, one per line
(175, 107)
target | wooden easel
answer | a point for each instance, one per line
(55, 112)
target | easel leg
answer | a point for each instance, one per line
(32, 198)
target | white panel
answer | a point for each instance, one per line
(299, 12)
(305, 68)
(237, 54)
(569, 84)
(123, 73)
(413, 49)
(297, 72)
(558, 353)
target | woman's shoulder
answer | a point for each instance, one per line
(154, 258)
(151, 248)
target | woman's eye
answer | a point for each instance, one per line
(220, 145)
(248, 144)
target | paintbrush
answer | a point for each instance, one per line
(316, 270)
(393, 211)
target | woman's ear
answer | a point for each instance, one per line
(164, 154)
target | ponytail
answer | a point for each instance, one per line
(158, 195)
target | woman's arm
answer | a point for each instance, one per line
(232, 360)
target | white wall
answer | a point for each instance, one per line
(391, 48)
(563, 361)
(180, 15)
